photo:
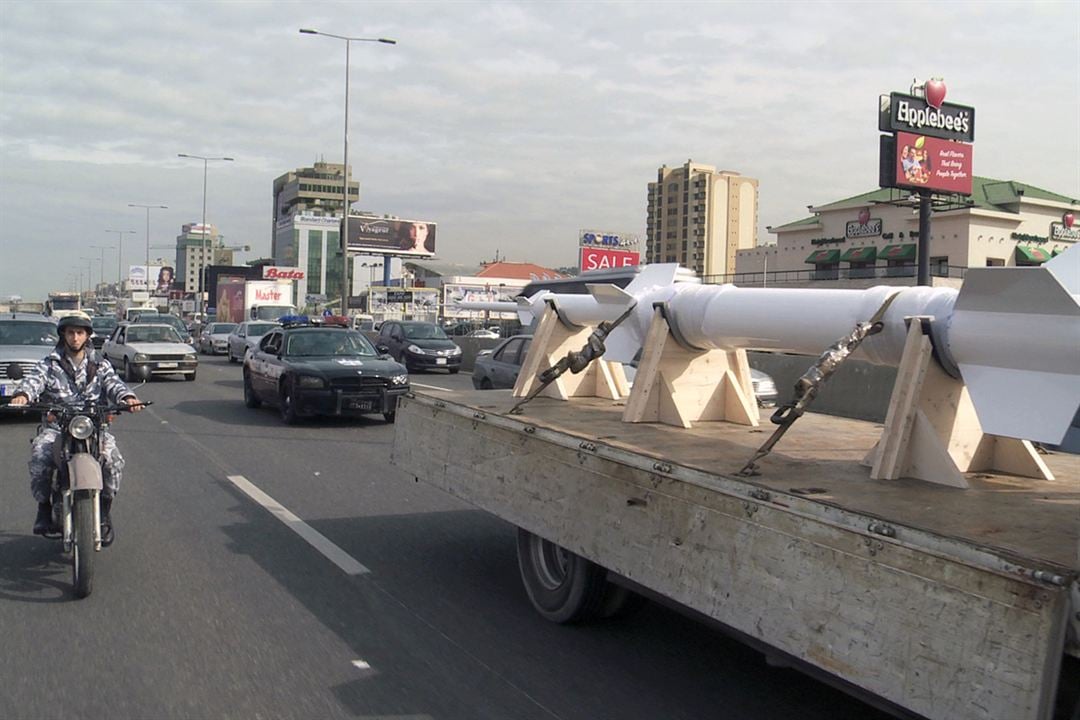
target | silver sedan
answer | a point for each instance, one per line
(246, 336)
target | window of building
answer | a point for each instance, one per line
(827, 271)
(995, 262)
(939, 266)
(314, 268)
(673, 187)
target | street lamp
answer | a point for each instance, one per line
(202, 253)
(345, 171)
(102, 248)
(120, 256)
(148, 209)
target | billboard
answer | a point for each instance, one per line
(607, 239)
(393, 237)
(927, 116)
(459, 292)
(420, 303)
(932, 164)
(161, 278)
(229, 298)
(594, 258)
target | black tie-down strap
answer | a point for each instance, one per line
(807, 386)
(576, 360)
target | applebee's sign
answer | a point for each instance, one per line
(865, 226)
(273, 272)
(929, 115)
(1066, 229)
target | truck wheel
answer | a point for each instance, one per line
(562, 586)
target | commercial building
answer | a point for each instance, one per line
(872, 238)
(699, 217)
(196, 247)
(315, 190)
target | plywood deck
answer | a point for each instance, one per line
(1032, 519)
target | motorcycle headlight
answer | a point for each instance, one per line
(399, 379)
(81, 427)
(139, 357)
(416, 349)
(310, 381)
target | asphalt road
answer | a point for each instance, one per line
(209, 606)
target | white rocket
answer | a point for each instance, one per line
(1011, 334)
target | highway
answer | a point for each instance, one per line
(267, 571)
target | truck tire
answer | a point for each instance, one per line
(563, 587)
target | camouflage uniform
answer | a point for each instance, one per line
(56, 380)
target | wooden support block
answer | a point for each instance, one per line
(677, 386)
(551, 342)
(932, 432)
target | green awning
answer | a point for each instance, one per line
(820, 257)
(860, 254)
(1029, 254)
(1055, 252)
(898, 252)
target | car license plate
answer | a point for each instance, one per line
(440, 361)
(361, 404)
(166, 365)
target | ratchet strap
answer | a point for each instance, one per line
(807, 386)
(576, 360)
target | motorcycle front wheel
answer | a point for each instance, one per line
(82, 549)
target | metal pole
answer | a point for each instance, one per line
(345, 206)
(924, 239)
(202, 255)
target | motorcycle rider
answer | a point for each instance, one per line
(72, 375)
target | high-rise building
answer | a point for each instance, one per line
(196, 247)
(699, 217)
(306, 231)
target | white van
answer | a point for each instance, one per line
(363, 323)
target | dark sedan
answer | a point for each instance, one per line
(419, 346)
(103, 327)
(499, 367)
(306, 370)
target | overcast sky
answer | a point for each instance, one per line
(511, 125)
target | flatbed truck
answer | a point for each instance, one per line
(932, 601)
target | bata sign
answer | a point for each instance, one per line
(594, 258)
(273, 272)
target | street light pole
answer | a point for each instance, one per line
(102, 248)
(119, 257)
(345, 170)
(148, 209)
(201, 305)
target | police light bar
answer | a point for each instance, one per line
(294, 320)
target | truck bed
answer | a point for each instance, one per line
(951, 603)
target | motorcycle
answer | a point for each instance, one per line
(77, 482)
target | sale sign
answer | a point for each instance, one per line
(595, 258)
(930, 163)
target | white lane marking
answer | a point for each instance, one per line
(361, 664)
(313, 537)
(430, 387)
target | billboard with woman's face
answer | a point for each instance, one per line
(391, 237)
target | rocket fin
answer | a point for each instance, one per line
(1024, 404)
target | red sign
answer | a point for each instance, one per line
(594, 258)
(271, 272)
(933, 164)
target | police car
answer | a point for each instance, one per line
(319, 366)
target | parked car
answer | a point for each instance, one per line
(306, 369)
(172, 321)
(419, 346)
(25, 338)
(487, 333)
(214, 339)
(139, 351)
(246, 337)
(499, 367)
(762, 383)
(103, 328)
